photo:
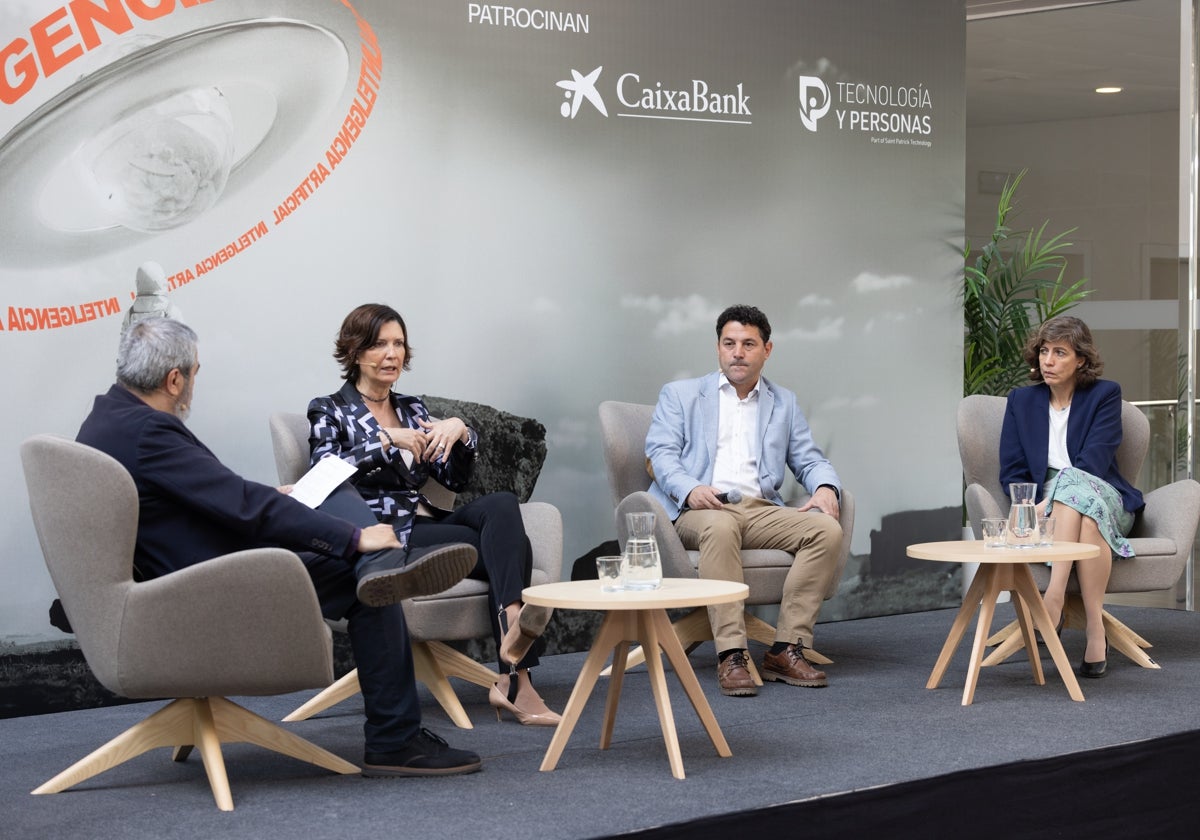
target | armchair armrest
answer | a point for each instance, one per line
(1171, 512)
(980, 505)
(245, 623)
(543, 526)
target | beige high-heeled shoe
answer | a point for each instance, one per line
(527, 710)
(520, 636)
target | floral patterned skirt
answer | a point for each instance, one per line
(1096, 499)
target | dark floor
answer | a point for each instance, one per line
(875, 725)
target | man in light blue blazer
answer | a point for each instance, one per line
(734, 430)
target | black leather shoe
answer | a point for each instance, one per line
(391, 576)
(425, 754)
(1095, 670)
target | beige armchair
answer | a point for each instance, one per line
(458, 614)
(623, 427)
(242, 624)
(1161, 539)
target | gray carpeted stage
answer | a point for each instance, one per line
(875, 725)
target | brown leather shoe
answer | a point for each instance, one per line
(792, 668)
(733, 675)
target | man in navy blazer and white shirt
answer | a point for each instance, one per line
(734, 430)
(191, 508)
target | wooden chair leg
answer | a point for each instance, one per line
(764, 634)
(170, 726)
(1008, 638)
(207, 740)
(206, 723)
(1120, 637)
(456, 664)
(347, 686)
(441, 662)
(236, 724)
(1110, 621)
(429, 671)
(694, 629)
(433, 662)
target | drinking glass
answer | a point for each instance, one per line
(1045, 530)
(993, 532)
(608, 570)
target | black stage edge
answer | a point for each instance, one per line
(1149, 789)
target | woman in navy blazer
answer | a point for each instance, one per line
(1063, 433)
(395, 446)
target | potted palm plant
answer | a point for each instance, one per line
(1015, 282)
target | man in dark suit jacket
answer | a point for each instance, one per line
(192, 508)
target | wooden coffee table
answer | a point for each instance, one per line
(633, 618)
(1003, 569)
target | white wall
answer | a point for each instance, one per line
(544, 263)
(1116, 180)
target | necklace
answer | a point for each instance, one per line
(369, 398)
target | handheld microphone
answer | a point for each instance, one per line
(730, 497)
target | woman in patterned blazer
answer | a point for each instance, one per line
(395, 446)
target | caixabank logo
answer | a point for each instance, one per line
(890, 115)
(696, 100)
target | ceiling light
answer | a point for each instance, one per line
(1110, 89)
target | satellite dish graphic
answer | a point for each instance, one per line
(169, 129)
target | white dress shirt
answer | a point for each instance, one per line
(736, 464)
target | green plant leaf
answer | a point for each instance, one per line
(1015, 282)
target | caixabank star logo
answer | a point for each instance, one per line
(578, 88)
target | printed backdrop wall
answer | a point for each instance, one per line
(559, 198)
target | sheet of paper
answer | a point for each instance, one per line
(316, 484)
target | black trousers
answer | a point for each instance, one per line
(378, 636)
(492, 524)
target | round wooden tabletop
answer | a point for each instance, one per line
(675, 592)
(973, 551)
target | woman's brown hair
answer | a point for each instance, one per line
(1069, 330)
(359, 332)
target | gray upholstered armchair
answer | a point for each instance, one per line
(1162, 538)
(458, 614)
(623, 427)
(243, 624)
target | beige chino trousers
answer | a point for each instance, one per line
(812, 536)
